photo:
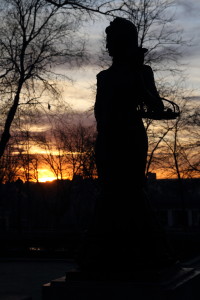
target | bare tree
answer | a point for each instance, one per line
(192, 146)
(68, 147)
(35, 38)
(86, 6)
(174, 144)
(54, 155)
(156, 145)
(28, 160)
(79, 143)
(155, 21)
(10, 163)
(182, 145)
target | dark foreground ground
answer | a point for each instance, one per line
(24, 273)
(26, 276)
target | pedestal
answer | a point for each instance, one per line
(180, 283)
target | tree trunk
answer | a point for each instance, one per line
(11, 114)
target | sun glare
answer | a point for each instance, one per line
(45, 179)
(45, 175)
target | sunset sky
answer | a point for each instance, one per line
(81, 94)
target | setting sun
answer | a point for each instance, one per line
(45, 175)
(44, 179)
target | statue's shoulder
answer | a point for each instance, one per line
(103, 74)
(147, 69)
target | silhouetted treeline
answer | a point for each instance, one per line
(53, 216)
(69, 204)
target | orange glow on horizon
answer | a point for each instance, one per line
(45, 179)
(45, 175)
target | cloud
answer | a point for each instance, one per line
(187, 15)
(194, 98)
(189, 8)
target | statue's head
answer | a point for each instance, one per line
(122, 40)
(122, 35)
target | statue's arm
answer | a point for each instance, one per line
(150, 93)
(99, 105)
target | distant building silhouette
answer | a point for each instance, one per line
(151, 176)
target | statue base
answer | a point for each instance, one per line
(173, 283)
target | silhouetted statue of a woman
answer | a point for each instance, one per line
(126, 231)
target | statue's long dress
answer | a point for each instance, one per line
(125, 227)
(121, 146)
